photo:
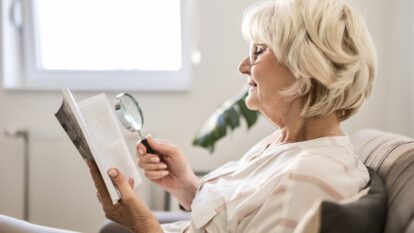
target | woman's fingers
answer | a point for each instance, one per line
(152, 166)
(122, 184)
(163, 147)
(141, 149)
(155, 175)
(149, 158)
(99, 197)
(131, 182)
(104, 197)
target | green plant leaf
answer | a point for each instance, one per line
(225, 119)
(232, 118)
(249, 115)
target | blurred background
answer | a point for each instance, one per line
(61, 192)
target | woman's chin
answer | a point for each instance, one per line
(251, 103)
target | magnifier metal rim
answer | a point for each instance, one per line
(120, 110)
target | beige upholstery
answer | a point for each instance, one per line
(392, 157)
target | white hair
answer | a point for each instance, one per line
(325, 44)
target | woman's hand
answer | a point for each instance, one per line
(169, 169)
(130, 211)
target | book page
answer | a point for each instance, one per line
(106, 137)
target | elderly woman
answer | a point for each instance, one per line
(311, 66)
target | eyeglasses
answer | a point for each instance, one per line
(255, 50)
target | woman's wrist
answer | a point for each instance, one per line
(147, 224)
(186, 194)
(144, 220)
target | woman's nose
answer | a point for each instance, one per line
(244, 67)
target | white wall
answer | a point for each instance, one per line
(400, 67)
(62, 194)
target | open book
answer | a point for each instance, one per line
(92, 127)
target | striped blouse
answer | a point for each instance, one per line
(272, 186)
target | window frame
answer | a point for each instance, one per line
(28, 76)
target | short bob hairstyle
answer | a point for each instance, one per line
(325, 44)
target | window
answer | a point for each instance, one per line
(95, 44)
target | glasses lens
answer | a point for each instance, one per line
(252, 57)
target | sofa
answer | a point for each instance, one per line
(389, 155)
(392, 157)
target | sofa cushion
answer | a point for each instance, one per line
(364, 215)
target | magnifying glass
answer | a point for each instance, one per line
(130, 114)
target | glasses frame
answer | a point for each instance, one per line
(253, 50)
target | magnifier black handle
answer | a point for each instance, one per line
(147, 146)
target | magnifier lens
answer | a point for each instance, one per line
(132, 113)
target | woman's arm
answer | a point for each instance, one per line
(130, 211)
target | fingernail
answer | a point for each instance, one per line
(165, 173)
(112, 173)
(155, 160)
(163, 166)
(140, 151)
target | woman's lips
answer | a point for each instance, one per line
(253, 84)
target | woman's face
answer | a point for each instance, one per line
(266, 78)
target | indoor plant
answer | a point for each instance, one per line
(226, 118)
